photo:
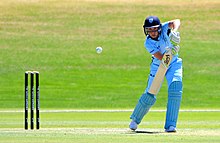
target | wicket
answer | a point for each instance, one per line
(32, 73)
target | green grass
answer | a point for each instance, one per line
(58, 38)
(109, 127)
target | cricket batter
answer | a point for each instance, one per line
(161, 37)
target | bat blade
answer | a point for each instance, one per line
(161, 71)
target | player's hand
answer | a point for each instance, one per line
(174, 37)
(175, 49)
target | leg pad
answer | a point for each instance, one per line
(173, 105)
(144, 104)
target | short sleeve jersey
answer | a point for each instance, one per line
(160, 44)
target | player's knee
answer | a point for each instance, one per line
(147, 99)
(175, 88)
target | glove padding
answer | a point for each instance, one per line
(174, 37)
(175, 49)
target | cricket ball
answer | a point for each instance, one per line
(98, 50)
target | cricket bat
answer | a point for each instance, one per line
(161, 71)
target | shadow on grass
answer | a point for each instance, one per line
(147, 132)
(144, 132)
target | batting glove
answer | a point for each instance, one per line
(174, 37)
(175, 49)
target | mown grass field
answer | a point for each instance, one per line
(58, 38)
(109, 127)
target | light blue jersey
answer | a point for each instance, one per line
(159, 45)
(174, 72)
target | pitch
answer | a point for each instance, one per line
(198, 126)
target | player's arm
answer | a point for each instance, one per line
(174, 35)
(158, 55)
(175, 38)
(174, 24)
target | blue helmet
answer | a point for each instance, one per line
(151, 21)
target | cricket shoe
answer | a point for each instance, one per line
(133, 125)
(171, 129)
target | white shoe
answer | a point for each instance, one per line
(133, 125)
(171, 129)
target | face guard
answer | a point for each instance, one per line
(148, 30)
